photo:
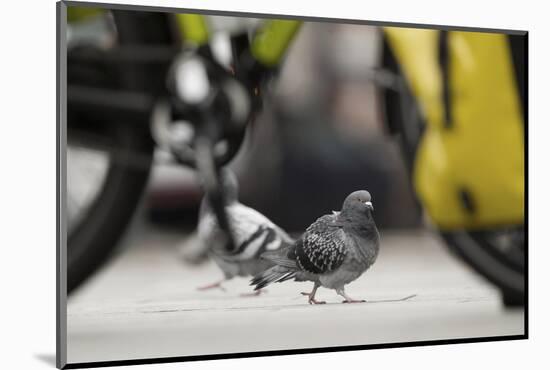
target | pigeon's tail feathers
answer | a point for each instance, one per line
(280, 257)
(275, 274)
(284, 269)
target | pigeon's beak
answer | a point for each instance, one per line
(369, 206)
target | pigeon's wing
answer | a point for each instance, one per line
(251, 216)
(253, 232)
(322, 248)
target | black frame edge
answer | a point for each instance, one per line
(61, 270)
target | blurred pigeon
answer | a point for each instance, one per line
(334, 250)
(254, 234)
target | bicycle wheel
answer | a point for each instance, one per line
(498, 253)
(108, 157)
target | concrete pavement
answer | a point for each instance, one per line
(145, 304)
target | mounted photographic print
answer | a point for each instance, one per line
(234, 185)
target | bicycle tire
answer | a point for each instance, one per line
(95, 237)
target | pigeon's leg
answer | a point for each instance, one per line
(348, 299)
(255, 293)
(311, 299)
(217, 284)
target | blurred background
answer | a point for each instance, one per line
(323, 132)
(320, 136)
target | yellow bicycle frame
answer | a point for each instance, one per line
(77, 13)
(269, 45)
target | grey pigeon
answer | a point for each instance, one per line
(254, 234)
(334, 250)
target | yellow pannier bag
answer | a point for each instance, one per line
(469, 168)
